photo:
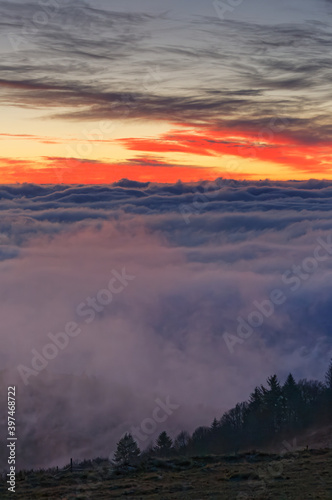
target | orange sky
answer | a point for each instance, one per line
(186, 153)
(162, 97)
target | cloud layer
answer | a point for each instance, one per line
(201, 254)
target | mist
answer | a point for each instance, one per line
(148, 279)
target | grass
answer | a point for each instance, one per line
(294, 476)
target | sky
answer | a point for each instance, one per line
(93, 92)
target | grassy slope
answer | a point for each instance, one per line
(299, 476)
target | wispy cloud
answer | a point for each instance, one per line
(236, 74)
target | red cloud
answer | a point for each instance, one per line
(266, 146)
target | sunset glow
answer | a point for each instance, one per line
(217, 98)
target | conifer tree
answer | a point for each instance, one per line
(164, 445)
(328, 384)
(291, 403)
(272, 397)
(182, 441)
(328, 377)
(214, 426)
(127, 451)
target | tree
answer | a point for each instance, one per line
(256, 400)
(232, 426)
(216, 438)
(273, 404)
(254, 425)
(200, 440)
(328, 383)
(127, 451)
(291, 403)
(215, 426)
(312, 401)
(182, 441)
(164, 445)
(328, 377)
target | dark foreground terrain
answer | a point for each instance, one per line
(300, 476)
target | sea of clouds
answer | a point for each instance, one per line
(152, 282)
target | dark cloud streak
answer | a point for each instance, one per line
(229, 73)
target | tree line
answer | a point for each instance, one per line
(273, 412)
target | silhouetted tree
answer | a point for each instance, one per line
(215, 426)
(328, 377)
(271, 412)
(312, 401)
(200, 440)
(215, 437)
(181, 442)
(272, 403)
(254, 424)
(164, 445)
(291, 404)
(233, 424)
(127, 451)
(328, 383)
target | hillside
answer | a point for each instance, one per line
(300, 475)
(317, 438)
